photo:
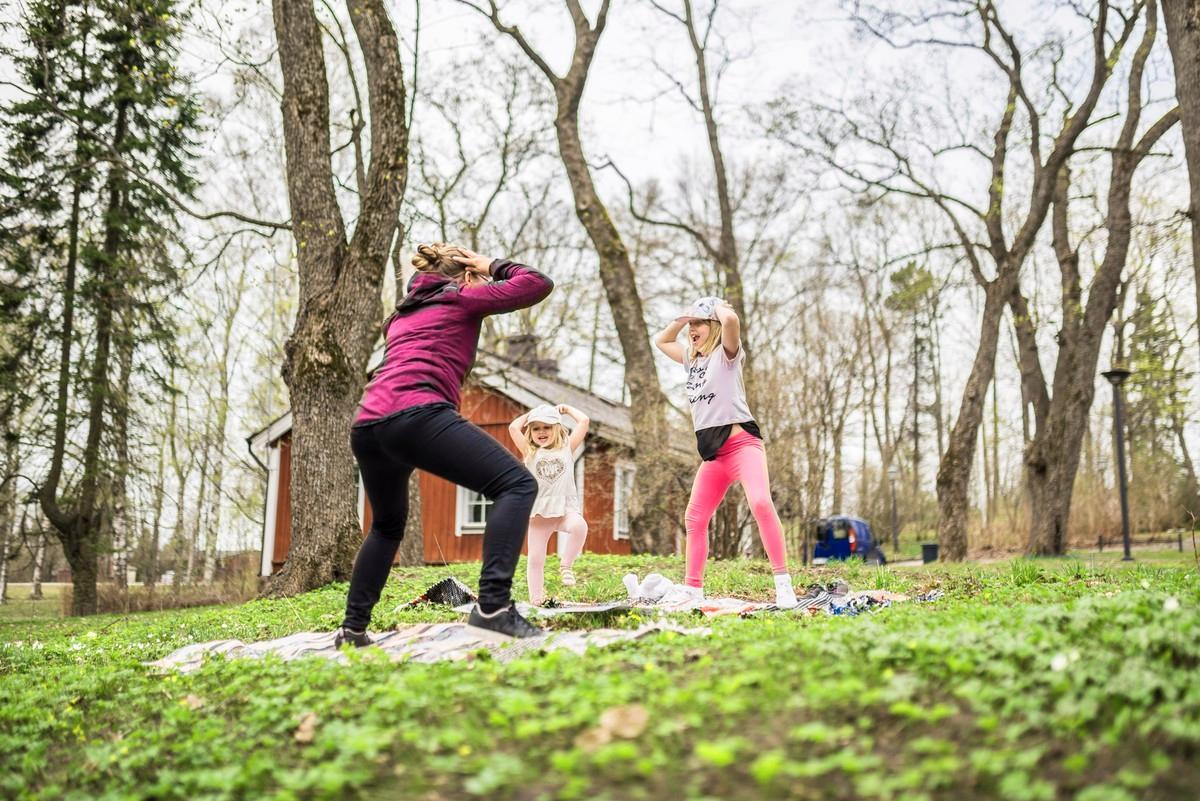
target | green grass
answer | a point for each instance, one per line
(19, 607)
(1052, 679)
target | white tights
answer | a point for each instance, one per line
(540, 529)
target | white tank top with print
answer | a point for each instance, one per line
(554, 469)
(715, 389)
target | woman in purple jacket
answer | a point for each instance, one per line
(409, 420)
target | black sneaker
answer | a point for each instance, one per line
(358, 639)
(507, 621)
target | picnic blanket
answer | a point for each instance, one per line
(421, 642)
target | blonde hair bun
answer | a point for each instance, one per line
(440, 258)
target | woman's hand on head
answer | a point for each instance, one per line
(480, 265)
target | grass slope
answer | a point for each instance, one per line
(1029, 680)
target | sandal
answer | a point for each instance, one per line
(568, 577)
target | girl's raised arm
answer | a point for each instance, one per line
(518, 438)
(582, 421)
(666, 340)
(731, 330)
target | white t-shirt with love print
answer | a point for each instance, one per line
(554, 469)
(715, 389)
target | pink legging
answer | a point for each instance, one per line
(742, 458)
(540, 529)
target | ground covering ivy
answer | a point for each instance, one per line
(1073, 678)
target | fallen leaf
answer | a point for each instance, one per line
(192, 701)
(627, 721)
(591, 739)
(307, 728)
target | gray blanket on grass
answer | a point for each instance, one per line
(421, 642)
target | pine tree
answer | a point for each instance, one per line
(100, 141)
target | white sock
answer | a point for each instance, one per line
(784, 594)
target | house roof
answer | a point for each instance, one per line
(610, 421)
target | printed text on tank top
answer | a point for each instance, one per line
(715, 389)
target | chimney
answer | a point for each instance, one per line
(522, 351)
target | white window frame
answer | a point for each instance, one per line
(461, 518)
(619, 500)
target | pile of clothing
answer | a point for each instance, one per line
(835, 598)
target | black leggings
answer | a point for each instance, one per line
(435, 438)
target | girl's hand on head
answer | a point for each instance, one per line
(561, 408)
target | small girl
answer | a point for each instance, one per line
(548, 450)
(727, 438)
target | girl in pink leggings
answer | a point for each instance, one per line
(727, 437)
(548, 450)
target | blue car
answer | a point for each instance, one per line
(843, 537)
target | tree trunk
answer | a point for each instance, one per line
(412, 547)
(193, 542)
(221, 402)
(1052, 458)
(728, 258)
(39, 561)
(7, 514)
(1182, 18)
(80, 527)
(987, 474)
(916, 411)
(651, 531)
(120, 423)
(954, 472)
(995, 510)
(160, 490)
(81, 556)
(337, 323)
(652, 522)
(839, 431)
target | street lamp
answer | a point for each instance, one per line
(893, 473)
(1116, 376)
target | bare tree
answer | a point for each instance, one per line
(716, 242)
(1182, 19)
(341, 277)
(650, 533)
(889, 169)
(1052, 458)
(223, 354)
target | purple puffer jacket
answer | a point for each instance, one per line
(432, 337)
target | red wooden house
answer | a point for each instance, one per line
(497, 390)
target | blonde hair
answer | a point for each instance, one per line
(708, 345)
(439, 258)
(559, 440)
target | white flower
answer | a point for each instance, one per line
(1059, 663)
(1145, 584)
(1171, 604)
